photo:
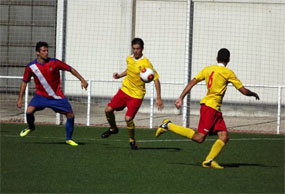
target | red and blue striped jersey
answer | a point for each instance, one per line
(46, 77)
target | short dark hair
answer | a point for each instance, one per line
(138, 41)
(40, 44)
(223, 55)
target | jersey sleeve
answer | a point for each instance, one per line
(200, 76)
(27, 74)
(234, 80)
(63, 66)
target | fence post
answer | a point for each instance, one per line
(188, 61)
(89, 102)
(26, 102)
(279, 109)
(151, 106)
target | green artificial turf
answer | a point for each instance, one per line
(42, 163)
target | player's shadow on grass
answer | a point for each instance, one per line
(229, 165)
(172, 149)
(237, 165)
(55, 143)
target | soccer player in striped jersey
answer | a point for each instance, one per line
(48, 94)
(211, 122)
(131, 93)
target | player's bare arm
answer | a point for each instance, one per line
(247, 92)
(118, 76)
(178, 102)
(84, 83)
(158, 102)
(21, 93)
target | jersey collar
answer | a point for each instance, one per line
(221, 64)
(137, 59)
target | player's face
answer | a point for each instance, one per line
(137, 51)
(43, 53)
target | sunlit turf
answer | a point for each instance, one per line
(43, 163)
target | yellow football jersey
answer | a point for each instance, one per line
(132, 84)
(217, 78)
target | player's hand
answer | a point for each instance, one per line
(116, 75)
(178, 103)
(255, 95)
(19, 103)
(84, 84)
(159, 104)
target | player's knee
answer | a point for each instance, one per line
(224, 136)
(225, 139)
(199, 137)
(108, 109)
(69, 115)
(30, 110)
(128, 119)
(200, 140)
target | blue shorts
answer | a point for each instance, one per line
(58, 105)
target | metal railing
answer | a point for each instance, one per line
(151, 107)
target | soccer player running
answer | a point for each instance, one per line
(48, 94)
(211, 122)
(131, 93)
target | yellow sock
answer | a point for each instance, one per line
(186, 132)
(111, 119)
(131, 130)
(216, 149)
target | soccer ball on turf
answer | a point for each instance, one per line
(147, 75)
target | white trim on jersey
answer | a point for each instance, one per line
(44, 82)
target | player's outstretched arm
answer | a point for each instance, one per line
(84, 83)
(158, 101)
(118, 76)
(21, 93)
(247, 92)
(186, 90)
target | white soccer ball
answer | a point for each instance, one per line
(147, 75)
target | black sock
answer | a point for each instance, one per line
(30, 120)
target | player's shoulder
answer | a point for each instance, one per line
(32, 63)
(145, 60)
(129, 57)
(53, 59)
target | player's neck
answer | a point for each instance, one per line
(42, 60)
(137, 57)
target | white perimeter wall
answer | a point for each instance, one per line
(99, 35)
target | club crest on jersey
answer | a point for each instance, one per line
(140, 68)
(50, 68)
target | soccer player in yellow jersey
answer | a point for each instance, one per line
(211, 122)
(132, 92)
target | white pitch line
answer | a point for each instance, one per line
(151, 140)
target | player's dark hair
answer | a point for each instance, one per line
(138, 41)
(40, 44)
(223, 55)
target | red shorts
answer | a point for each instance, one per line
(121, 100)
(211, 121)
